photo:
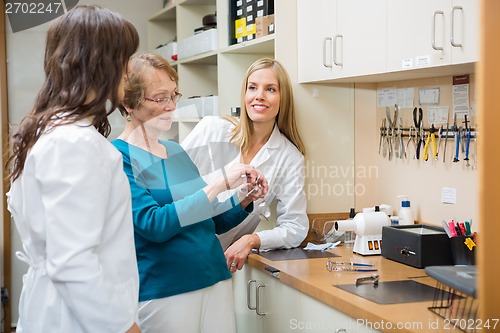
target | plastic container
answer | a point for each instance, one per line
(405, 215)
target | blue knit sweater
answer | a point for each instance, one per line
(174, 222)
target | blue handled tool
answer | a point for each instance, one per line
(467, 141)
(350, 263)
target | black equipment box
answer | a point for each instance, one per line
(417, 245)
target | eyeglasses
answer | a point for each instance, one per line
(165, 100)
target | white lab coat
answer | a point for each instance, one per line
(282, 165)
(72, 208)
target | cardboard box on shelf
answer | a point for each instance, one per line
(264, 25)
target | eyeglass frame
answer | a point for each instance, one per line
(165, 100)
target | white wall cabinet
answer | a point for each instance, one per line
(218, 72)
(340, 38)
(283, 309)
(370, 41)
(431, 33)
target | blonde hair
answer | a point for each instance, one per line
(285, 119)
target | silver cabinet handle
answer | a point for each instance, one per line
(327, 65)
(335, 60)
(257, 298)
(452, 38)
(438, 48)
(248, 295)
(341, 330)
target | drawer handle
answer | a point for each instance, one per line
(257, 298)
(327, 65)
(335, 60)
(438, 48)
(452, 38)
(248, 295)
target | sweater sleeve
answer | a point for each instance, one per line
(161, 221)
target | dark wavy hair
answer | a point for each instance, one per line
(86, 54)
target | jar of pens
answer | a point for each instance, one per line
(463, 241)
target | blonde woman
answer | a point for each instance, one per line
(266, 137)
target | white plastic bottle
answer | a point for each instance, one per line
(405, 213)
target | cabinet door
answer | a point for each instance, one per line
(417, 34)
(278, 303)
(360, 43)
(273, 304)
(244, 287)
(316, 31)
(431, 33)
(324, 318)
(340, 38)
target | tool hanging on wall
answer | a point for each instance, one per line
(382, 134)
(399, 145)
(391, 128)
(426, 140)
(440, 134)
(430, 143)
(446, 139)
(467, 141)
(420, 130)
(412, 137)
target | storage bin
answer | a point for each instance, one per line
(460, 252)
(197, 107)
(416, 245)
(202, 42)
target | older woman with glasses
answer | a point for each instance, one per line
(185, 283)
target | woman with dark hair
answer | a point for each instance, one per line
(69, 197)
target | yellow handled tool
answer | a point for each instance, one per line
(431, 140)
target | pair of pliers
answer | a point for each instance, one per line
(431, 139)
(467, 141)
(412, 137)
(391, 124)
(420, 129)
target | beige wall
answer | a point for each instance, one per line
(421, 180)
(325, 116)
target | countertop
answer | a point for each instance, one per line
(311, 277)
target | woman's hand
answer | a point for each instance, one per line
(237, 253)
(256, 188)
(235, 176)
